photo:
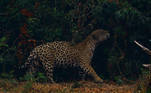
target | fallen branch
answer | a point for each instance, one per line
(144, 48)
(147, 65)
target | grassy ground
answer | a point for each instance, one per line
(11, 86)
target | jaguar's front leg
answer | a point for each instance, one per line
(87, 68)
(95, 77)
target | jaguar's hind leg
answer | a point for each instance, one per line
(48, 66)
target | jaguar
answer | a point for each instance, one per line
(62, 53)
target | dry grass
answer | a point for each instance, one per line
(71, 87)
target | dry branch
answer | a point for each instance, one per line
(144, 48)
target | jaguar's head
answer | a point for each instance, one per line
(100, 35)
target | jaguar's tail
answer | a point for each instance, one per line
(29, 61)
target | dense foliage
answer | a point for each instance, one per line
(27, 23)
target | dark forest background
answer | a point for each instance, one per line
(25, 24)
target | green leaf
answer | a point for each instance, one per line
(1, 59)
(3, 39)
(3, 45)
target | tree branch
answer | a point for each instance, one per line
(144, 48)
